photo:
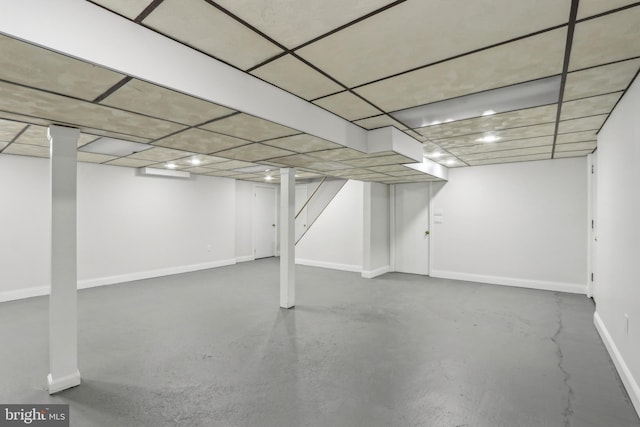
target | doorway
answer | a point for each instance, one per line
(264, 222)
(411, 227)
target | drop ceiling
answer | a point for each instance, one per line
(363, 61)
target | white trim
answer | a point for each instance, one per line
(63, 383)
(375, 273)
(112, 280)
(630, 383)
(245, 258)
(16, 294)
(331, 265)
(575, 288)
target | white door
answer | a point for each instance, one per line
(264, 222)
(411, 213)
(593, 235)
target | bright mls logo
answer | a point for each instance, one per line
(34, 415)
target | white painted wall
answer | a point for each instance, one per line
(376, 230)
(244, 221)
(617, 287)
(335, 239)
(519, 224)
(129, 226)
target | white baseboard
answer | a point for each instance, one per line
(63, 383)
(245, 258)
(574, 288)
(331, 265)
(370, 274)
(112, 280)
(628, 380)
(24, 293)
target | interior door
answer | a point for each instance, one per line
(301, 220)
(264, 222)
(411, 213)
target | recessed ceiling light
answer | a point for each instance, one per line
(448, 120)
(268, 178)
(489, 138)
(509, 98)
(195, 161)
(435, 154)
(114, 147)
(171, 165)
(488, 113)
(451, 161)
(255, 169)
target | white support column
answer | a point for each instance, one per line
(287, 237)
(367, 232)
(63, 314)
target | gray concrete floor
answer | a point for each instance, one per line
(212, 348)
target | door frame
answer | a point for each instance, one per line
(275, 217)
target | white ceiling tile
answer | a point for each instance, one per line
(9, 130)
(311, 163)
(512, 119)
(93, 157)
(528, 158)
(27, 150)
(606, 39)
(533, 131)
(146, 98)
(576, 146)
(249, 127)
(379, 121)
(566, 154)
(57, 108)
(201, 159)
(160, 154)
(37, 135)
(418, 32)
(581, 124)
(202, 26)
(517, 152)
(290, 24)
(129, 8)
(347, 105)
(501, 146)
(130, 163)
(302, 143)
(254, 152)
(297, 77)
(588, 8)
(200, 141)
(602, 104)
(3, 144)
(566, 138)
(232, 164)
(599, 80)
(379, 161)
(523, 60)
(43, 69)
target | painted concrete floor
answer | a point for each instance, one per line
(212, 348)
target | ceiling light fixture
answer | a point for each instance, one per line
(509, 98)
(451, 162)
(114, 147)
(171, 165)
(268, 178)
(195, 161)
(435, 154)
(489, 113)
(489, 138)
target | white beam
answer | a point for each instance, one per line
(287, 237)
(63, 315)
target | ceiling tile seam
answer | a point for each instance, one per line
(582, 117)
(565, 67)
(107, 9)
(471, 52)
(75, 98)
(348, 24)
(604, 64)
(505, 151)
(281, 137)
(147, 11)
(444, 139)
(515, 161)
(15, 138)
(619, 99)
(112, 89)
(608, 12)
(67, 124)
(199, 128)
(267, 61)
(594, 96)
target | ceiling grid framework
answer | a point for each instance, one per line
(360, 61)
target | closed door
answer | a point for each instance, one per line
(301, 219)
(264, 222)
(411, 208)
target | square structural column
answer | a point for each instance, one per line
(63, 300)
(287, 237)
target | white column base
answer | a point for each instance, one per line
(63, 383)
